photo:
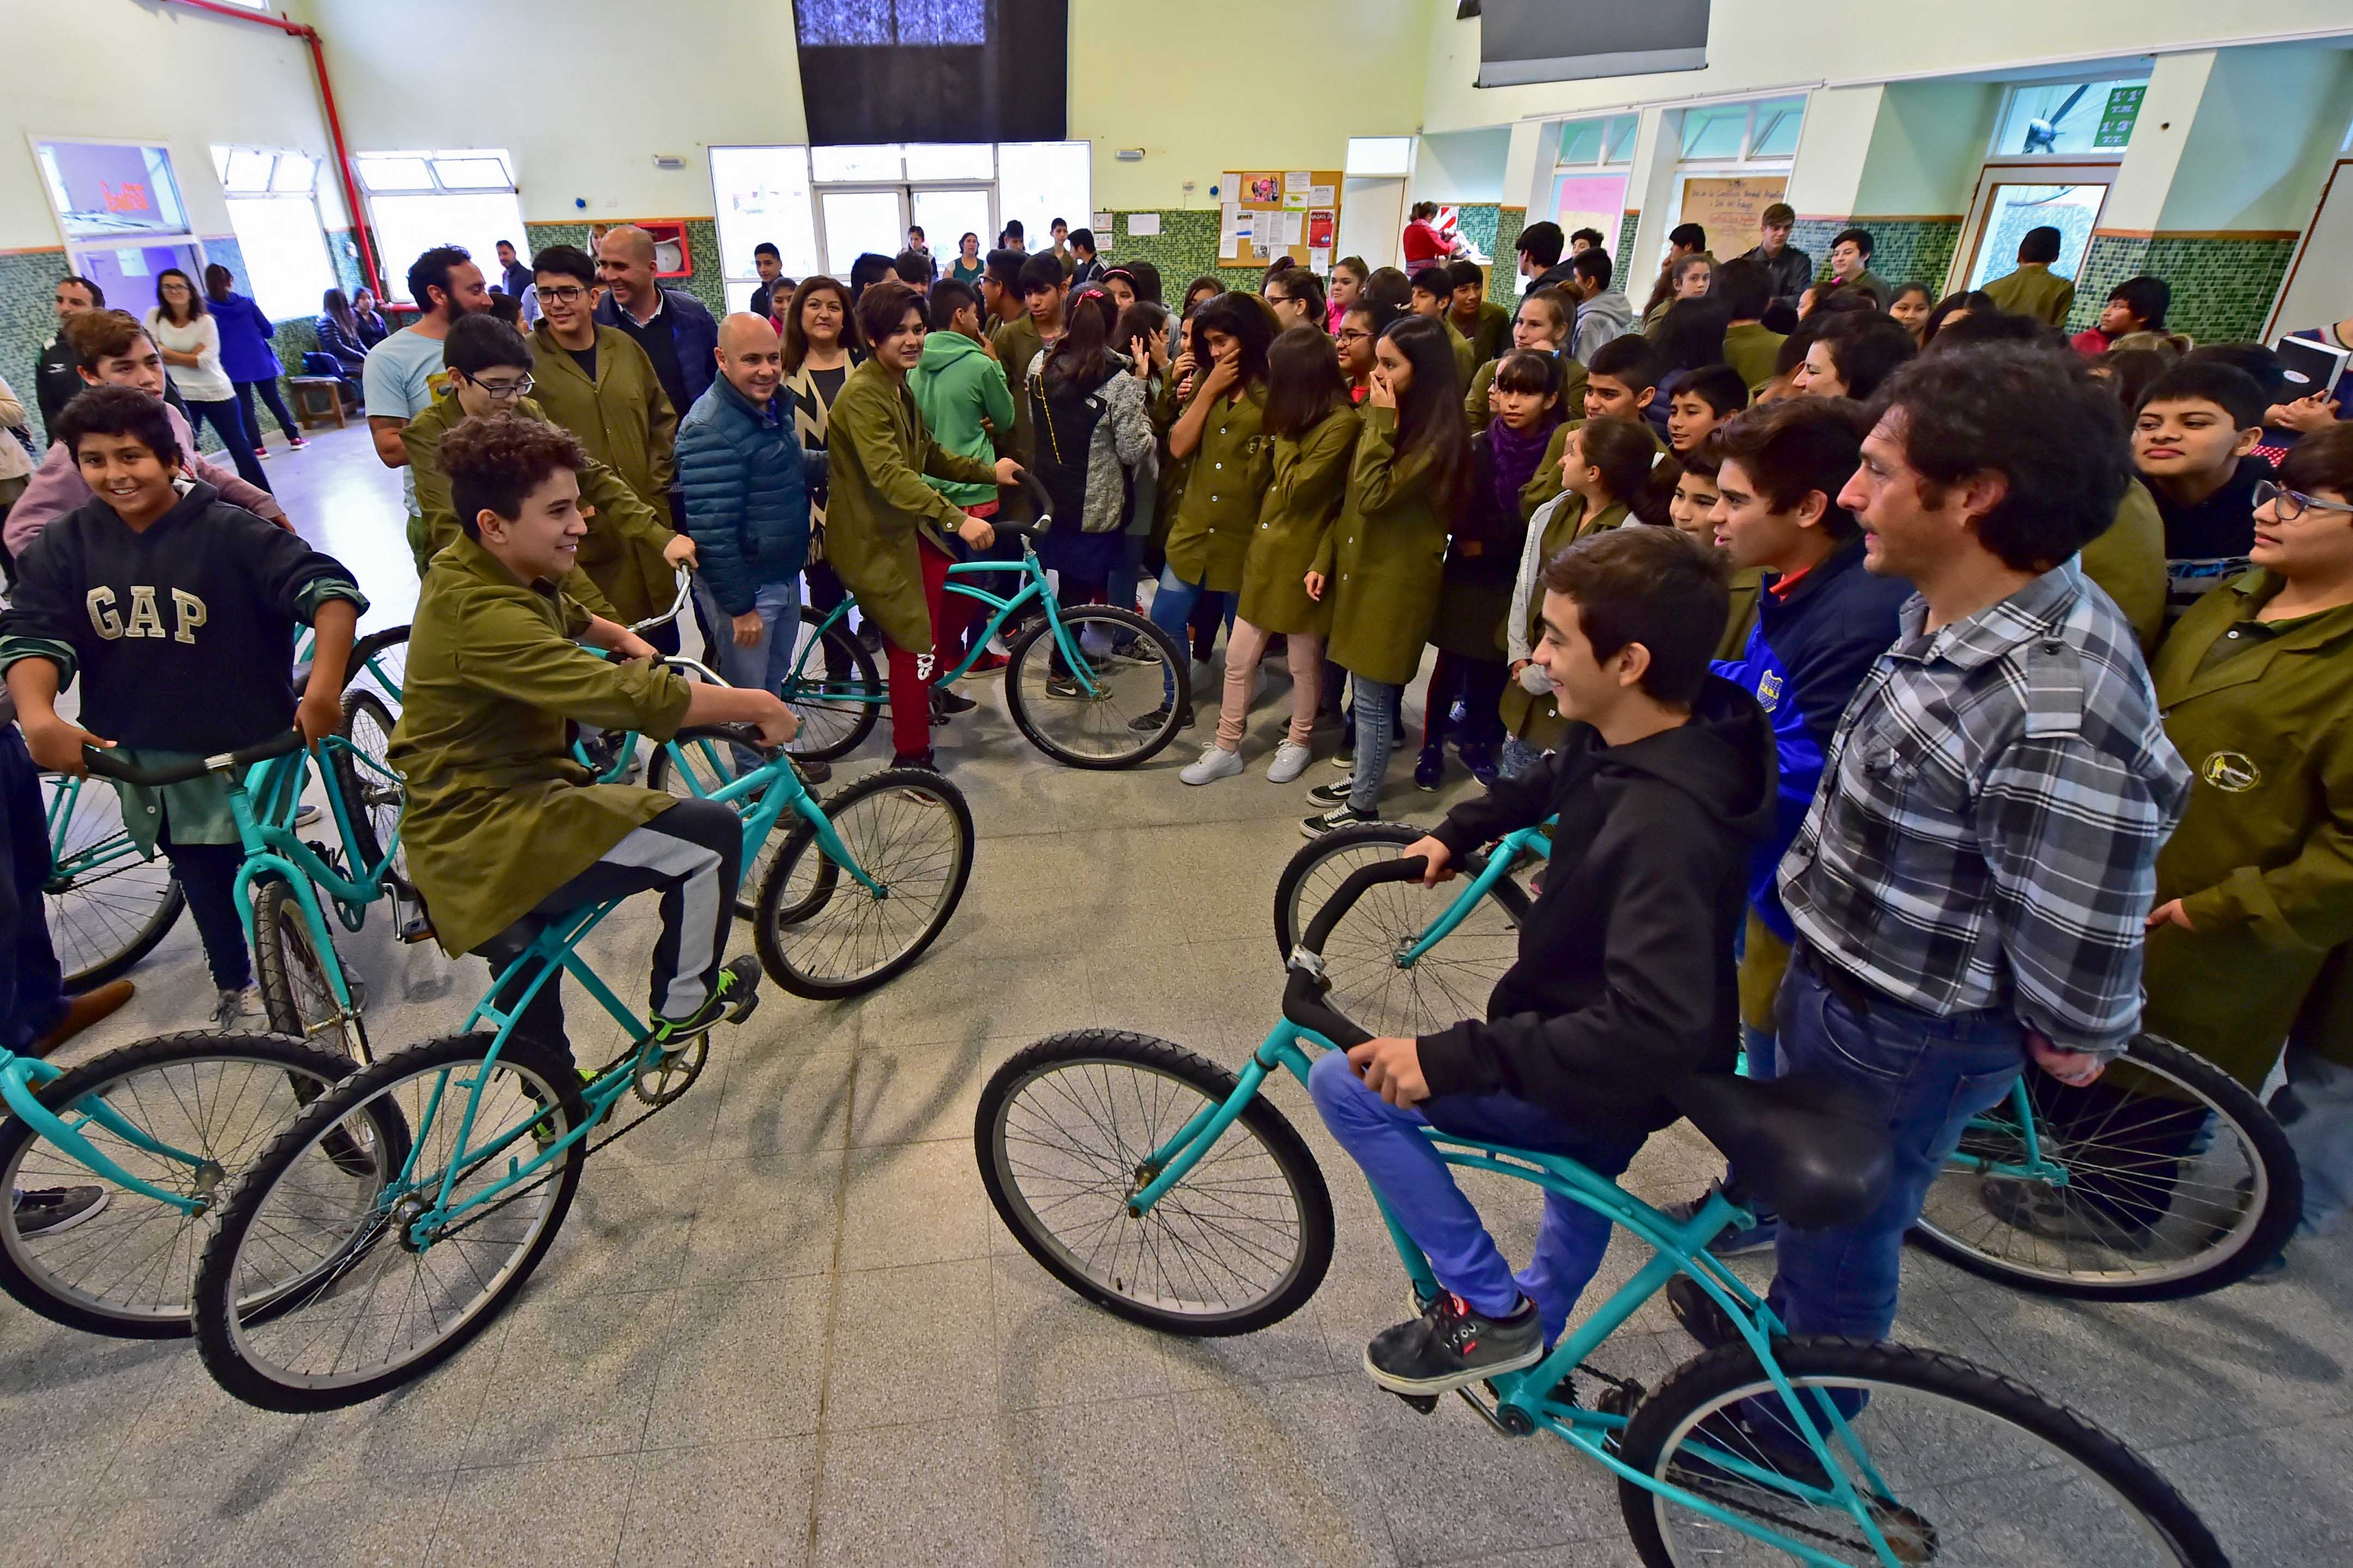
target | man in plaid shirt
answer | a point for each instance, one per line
(1971, 884)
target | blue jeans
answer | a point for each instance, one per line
(1928, 1076)
(2315, 1107)
(1376, 712)
(1172, 609)
(1414, 1182)
(765, 664)
(1517, 758)
(32, 989)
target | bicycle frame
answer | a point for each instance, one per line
(63, 867)
(1523, 1398)
(1499, 865)
(22, 1078)
(556, 950)
(1034, 587)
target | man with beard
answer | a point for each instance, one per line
(404, 373)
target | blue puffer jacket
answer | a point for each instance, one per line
(746, 488)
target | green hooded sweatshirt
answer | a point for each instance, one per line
(956, 384)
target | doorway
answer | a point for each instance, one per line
(853, 220)
(2013, 198)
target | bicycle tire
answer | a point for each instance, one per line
(1450, 983)
(373, 802)
(293, 980)
(1721, 1377)
(836, 714)
(1196, 1078)
(103, 923)
(1128, 689)
(27, 1278)
(2268, 1208)
(222, 1331)
(661, 774)
(382, 660)
(787, 905)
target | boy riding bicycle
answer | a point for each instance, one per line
(505, 832)
(1624, 980)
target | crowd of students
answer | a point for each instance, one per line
(1823, 613)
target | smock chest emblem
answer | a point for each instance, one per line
(2233, 772)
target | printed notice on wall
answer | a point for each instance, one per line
(1319, 260)
(1320, 232)
(1298, 182)
(1102, 223)
(1320, 197)
(1232, 228)
(1143, 224)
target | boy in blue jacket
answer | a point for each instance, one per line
(746, 480)
(1822, 621)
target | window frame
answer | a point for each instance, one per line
(1995, 156)
(225, 156)
(76, 248)
(395, 280)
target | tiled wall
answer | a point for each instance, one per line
(1903, 250)
(704, 281)
(1185, 249)
(2222, 287)
(1503, 281)
(1477, 225)
(1622, 249)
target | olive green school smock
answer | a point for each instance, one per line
(1217, 514)
(1310, 483)
(1385, 561)
(1537, 719)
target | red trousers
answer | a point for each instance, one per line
(913, 670)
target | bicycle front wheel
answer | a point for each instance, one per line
(379, 662)
(364, 1299)
(108, 905)
(292, 974)
(709, 765)
(822, 933)
(212, 1103)
(2173, 1181)
(1364, 956)
(837, 695)
(1952, 1463)
(1128, 664)
(374, 799)
(1063, 1134)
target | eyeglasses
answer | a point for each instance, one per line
(503, 391)
(2288, 505)
(1351, 335)
(562, 296)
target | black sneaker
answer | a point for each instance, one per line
(46, 1211)
(924, 759)
(1149, 724)
(946, 701)
(1068, 688)
(1430, 768)
(1698, 1311)
(730, 1000)
(1740, 1241)
(1333, 820)
(1330, 794)
(1449, 1346)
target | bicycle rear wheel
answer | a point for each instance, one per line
(1449, 983)
(1131, 663)
(1063, 1133)
(2177, 1182)
(374, 800)
(1965, 1466)
(710, 765)
(837, 696)
(820, 931)
(107, 905)
(129, 1269)
(363, 1302)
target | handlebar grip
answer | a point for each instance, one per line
(1303, 1005)
(1410, 870)
(734, 734)
(1041, 501)
(103, 765)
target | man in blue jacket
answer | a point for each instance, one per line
(672, 326)
(745, 483)
(1822, 621)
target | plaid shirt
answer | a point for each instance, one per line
(1992, 806)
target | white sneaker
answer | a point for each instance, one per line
(1216, 762)
(1289, 762)
(240, 1012)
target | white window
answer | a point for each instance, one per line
(2073, 117)
(119, 210)
(1726, 134)
(1379, 157)
(1591, 143)
(273, 208)
(1037, 182)
(762, 196)
(420, 200)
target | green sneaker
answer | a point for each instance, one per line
(730, 1002)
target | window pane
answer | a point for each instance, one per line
(127, 276)
(220, 162)
(248, 170)
(294, 172)
(945, 217)
(408, 226)
(762, 193)
(1379, 157)
(473, 174)
(2070, 117)
(951, 161)
(884, 162)
(2015, 209)
(1777, 124)
(285, 255)
(857, 222)
(103, 190)
(1580, 142)
(1715, 132)
(1618, 141)
(1039, 182)
(395, 171)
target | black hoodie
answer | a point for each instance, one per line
(1625, 979)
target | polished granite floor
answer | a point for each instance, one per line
(783, 1325)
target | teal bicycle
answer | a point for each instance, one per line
(1079, 678)
(108, 903)
(2173, 1181)
(149, 1138)
(497, 1126)
(1169, 1191)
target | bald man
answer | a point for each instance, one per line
(746, 482)
(672, 326)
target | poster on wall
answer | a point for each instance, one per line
(1322, 228)
(1731, 209)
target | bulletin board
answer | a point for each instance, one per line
(1266, 213)
(1731, 209)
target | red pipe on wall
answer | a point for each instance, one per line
(369, 271)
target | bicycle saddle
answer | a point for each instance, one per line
(1807, 1145)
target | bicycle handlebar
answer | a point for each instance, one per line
(734, 734)
(677, 606)
(1040, 499)
(106, 765)
(1304, 993)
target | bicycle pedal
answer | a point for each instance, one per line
(743, 1009)
(1425, 1402)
